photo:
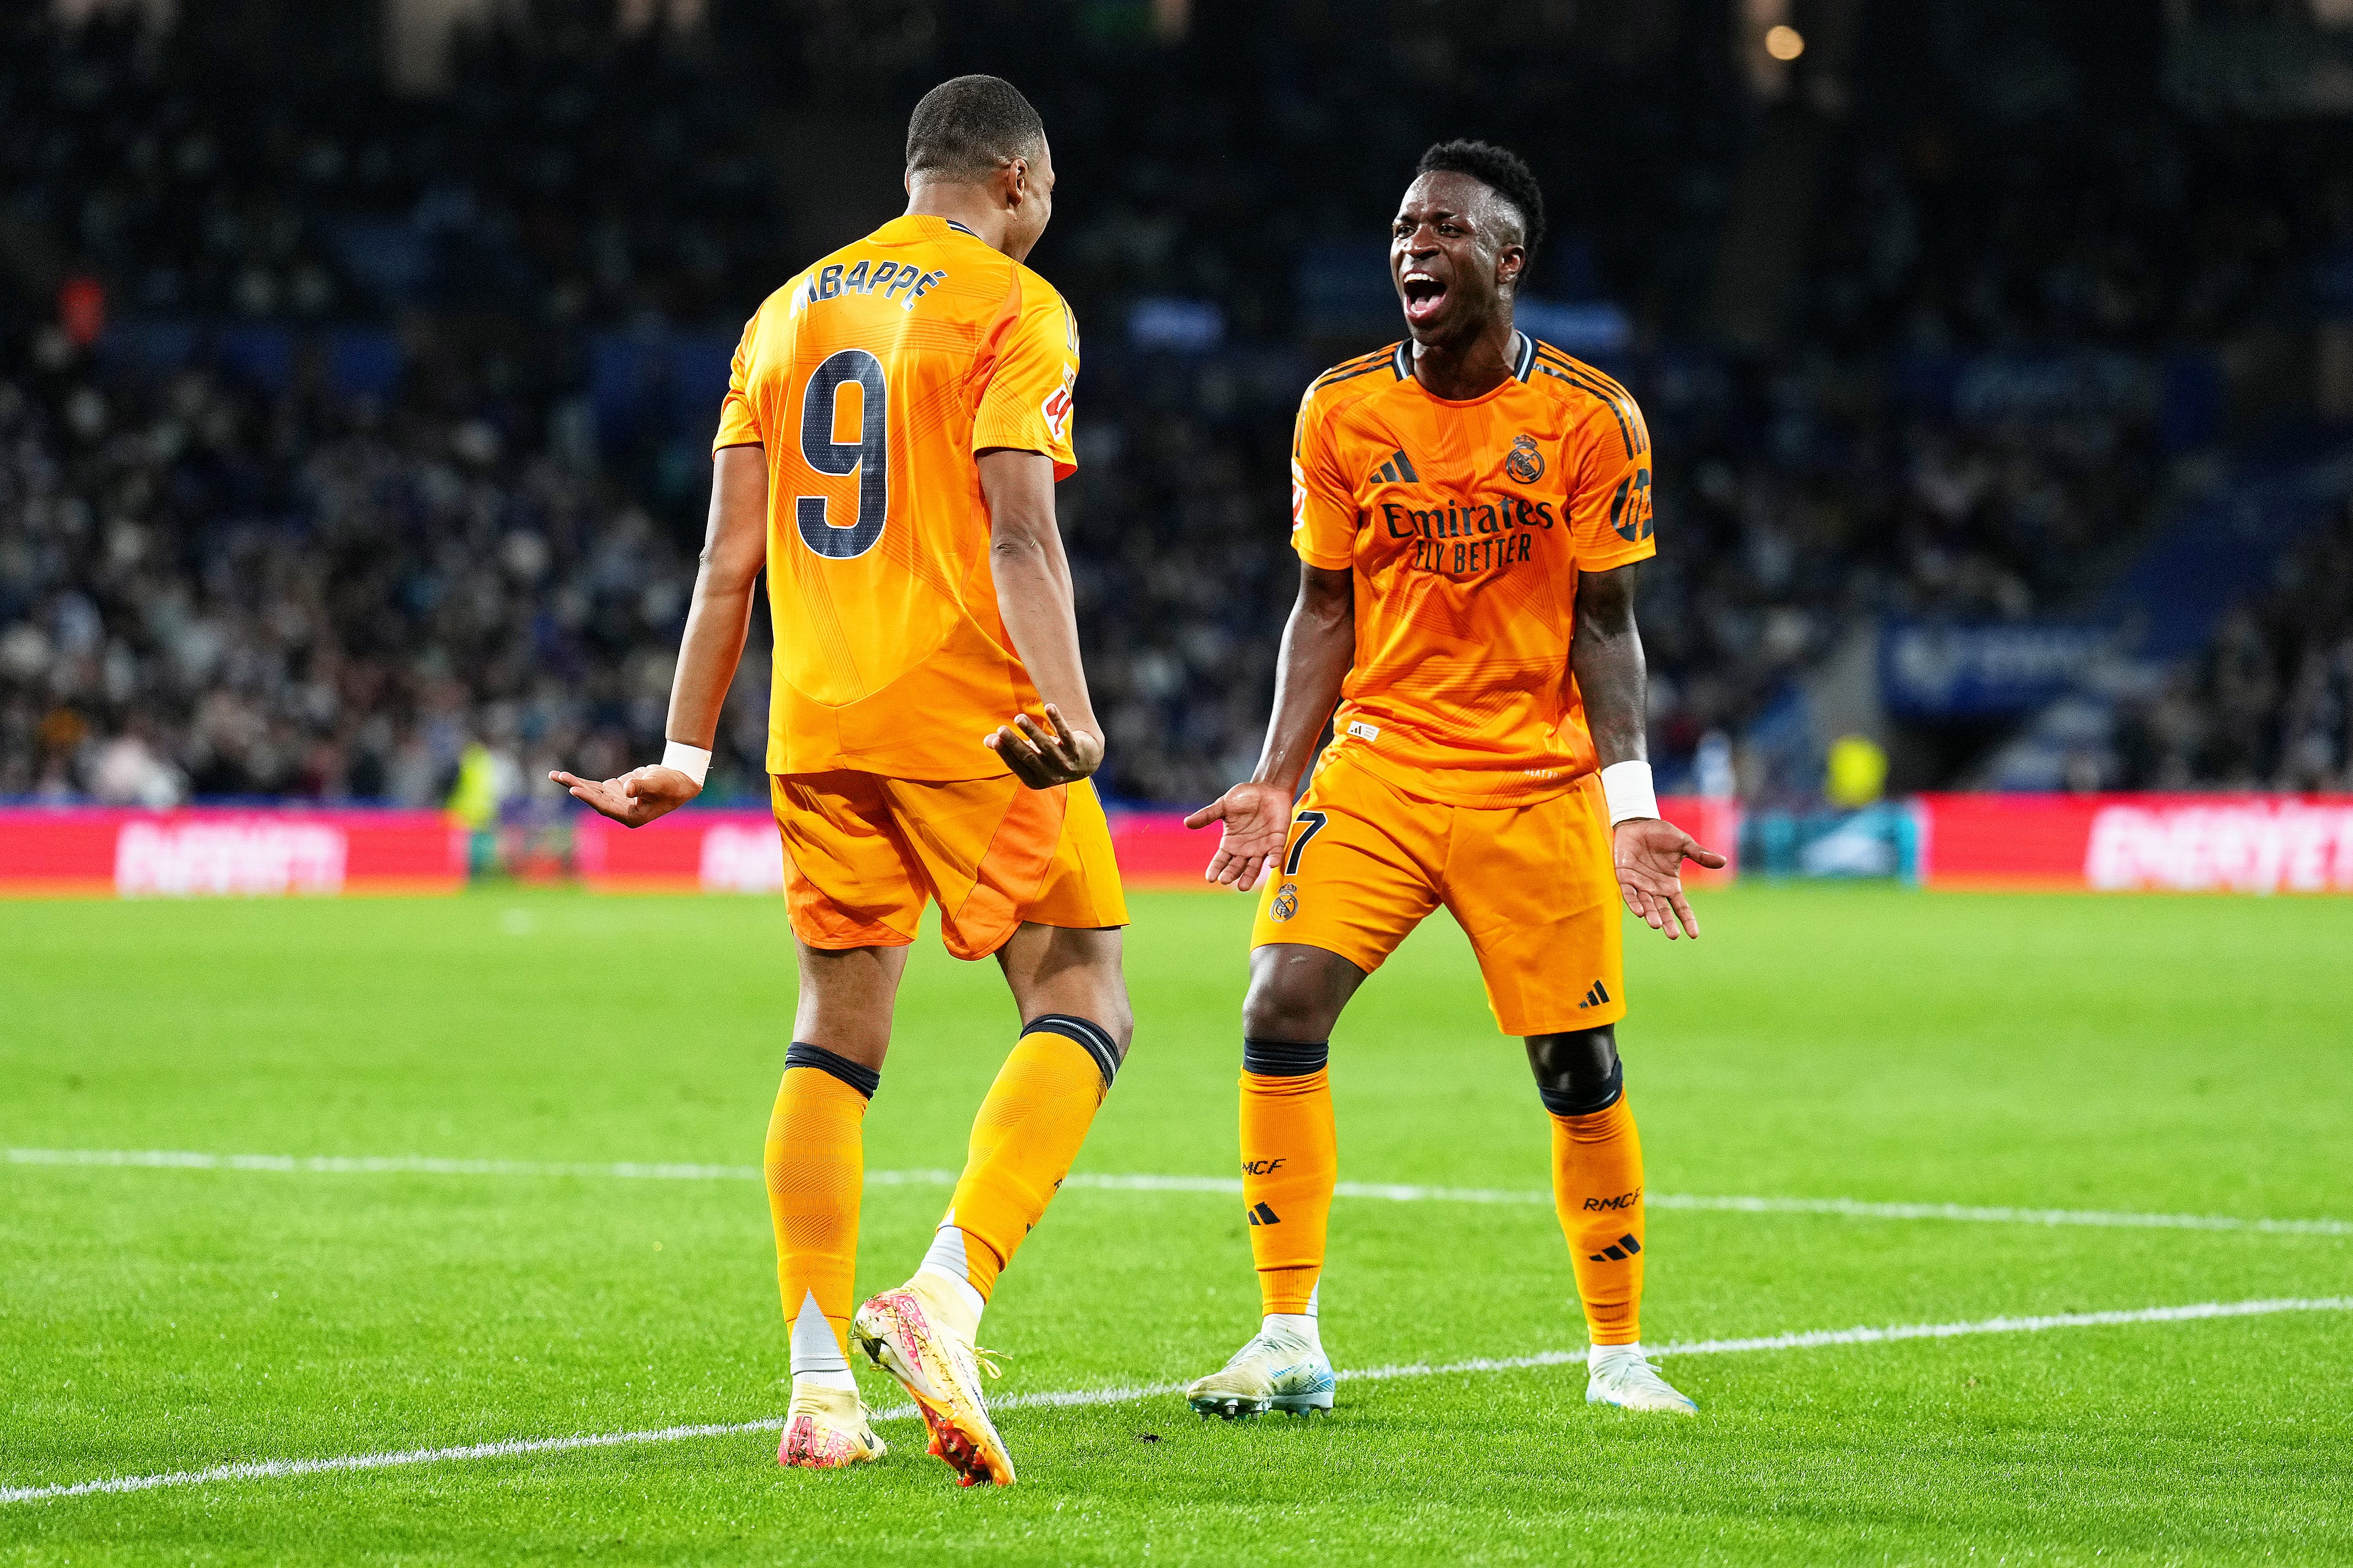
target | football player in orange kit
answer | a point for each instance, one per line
(894, 424)
(1467, 506)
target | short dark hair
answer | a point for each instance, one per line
(1501, 171)
(966, 127)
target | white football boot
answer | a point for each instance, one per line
(826, 1429)
(910, 1333)
(1621, 1375)
(1277, 1370)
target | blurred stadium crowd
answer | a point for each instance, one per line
(2269, 704)
(2032, 301)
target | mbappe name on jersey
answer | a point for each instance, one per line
(870, 274)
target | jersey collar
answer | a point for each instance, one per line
(1524, 358)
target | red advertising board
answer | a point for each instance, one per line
(2180, 843)
(2241, 843)
(259, 851)
(245, 852)
(738, 852)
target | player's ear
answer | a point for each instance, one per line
(1510, 262)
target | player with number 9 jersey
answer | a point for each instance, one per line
(895, 424)
(871, 380)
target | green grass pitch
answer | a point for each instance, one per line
(2137, 1055)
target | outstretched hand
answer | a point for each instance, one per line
(636, 797)
(1258, 823)
(1650, 853)
(1042, 756)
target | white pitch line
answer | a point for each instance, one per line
(2129, 1219)
(1844, 1208)
(1818, 1338)
(394, 1164)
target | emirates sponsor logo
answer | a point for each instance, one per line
(2249, 848)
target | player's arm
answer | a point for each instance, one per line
(734, 548)
(1605, 654)
(1319, 645)
(1034, 595)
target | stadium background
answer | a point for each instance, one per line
(358, 364)
(357, 368)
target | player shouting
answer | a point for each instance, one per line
(896, 419)
(1467, 506)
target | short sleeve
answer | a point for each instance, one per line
(1027, 405)
(739, 423)
(1322, 509)
(1609, 520)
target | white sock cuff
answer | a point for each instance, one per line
(1298, 1326)
(817, 1354)
(963, 1289)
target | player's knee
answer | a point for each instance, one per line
(1119, 1020)
(1578, 1073)
(1273, 1011)
(1296, 994)
(1108, 1010)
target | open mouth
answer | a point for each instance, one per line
(1423, 296)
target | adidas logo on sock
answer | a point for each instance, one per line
(1623, 1249)
(1597, 996)
(1262, 1214)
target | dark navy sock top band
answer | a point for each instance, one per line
(801, 1054)
(1286, 1058)
(1087, 1033)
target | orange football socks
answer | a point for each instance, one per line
(1291, 1158)
(1597, 1187)
(1027, 1132)
(815, 1163)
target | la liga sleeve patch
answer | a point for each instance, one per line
(1056, 408)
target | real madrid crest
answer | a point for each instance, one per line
(1286, 901)
(1524, 462)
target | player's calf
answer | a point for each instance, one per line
(1289, 1162)
(1597, 1190)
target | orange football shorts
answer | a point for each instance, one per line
(1533, 887)
(863, 852)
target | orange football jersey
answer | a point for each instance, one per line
(1466, 525)
(871, 379)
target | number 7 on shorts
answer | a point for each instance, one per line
(1315, 821)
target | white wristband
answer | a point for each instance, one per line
(691, 760)
(1627, 787)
